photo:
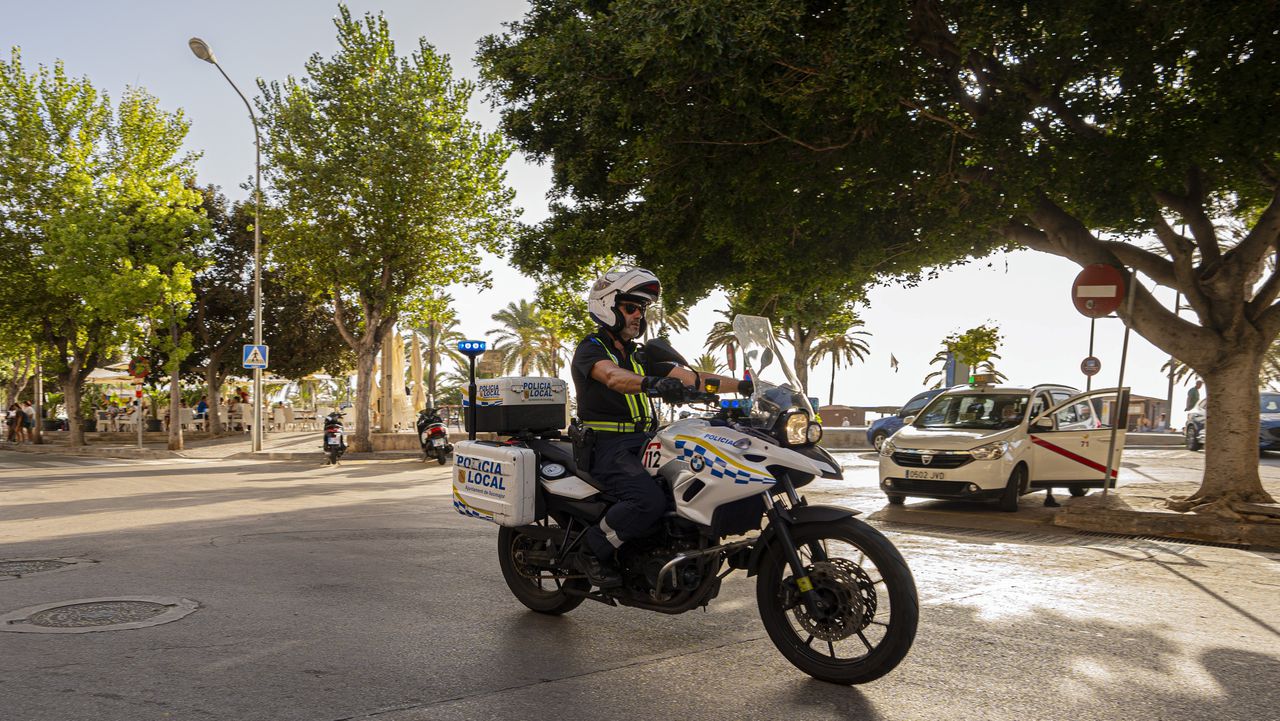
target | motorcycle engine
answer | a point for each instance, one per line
(647, 561)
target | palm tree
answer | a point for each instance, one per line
(662, 321)
(843, 348)
(975, 347)
(520, 340)
(442, 339)
(707, 363)
(721, 336)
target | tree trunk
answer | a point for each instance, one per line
(831, 395)
(71, 395)
(360, 441)
(213, 387)
(1231, 436)
(175, 397)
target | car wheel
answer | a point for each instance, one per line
(896, 500)
(1078, 491)
(1193, 438)
(1009, 499)
(878, 439)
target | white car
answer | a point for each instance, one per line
(999, 442)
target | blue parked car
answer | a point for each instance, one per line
(887, 426)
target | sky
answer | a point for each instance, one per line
(143, 43)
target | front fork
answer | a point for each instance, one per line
(780, 520)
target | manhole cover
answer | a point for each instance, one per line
(107, 613)
(97, 614)
(19, 567)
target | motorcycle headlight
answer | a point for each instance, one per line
(796, 429)
(887, 448)
(991, 451)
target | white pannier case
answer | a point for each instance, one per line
(495, 482)
(513, 404)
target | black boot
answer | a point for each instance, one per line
(601, 573)
(1049, 500)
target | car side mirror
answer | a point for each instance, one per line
(660, 350)
(1042, 424)
(908, 420)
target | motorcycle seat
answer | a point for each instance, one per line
(562, 453)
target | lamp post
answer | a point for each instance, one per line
(205, 53)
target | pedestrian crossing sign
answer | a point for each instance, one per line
(255, 356)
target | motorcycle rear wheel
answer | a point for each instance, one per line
(544, 595)
(865, 578)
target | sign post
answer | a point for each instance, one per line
(255, 357)
(1097, 292)
(471, 349)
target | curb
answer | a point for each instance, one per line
(97, 451)
(319, 456)
(1168, 524)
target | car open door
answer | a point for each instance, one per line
(1070, 440)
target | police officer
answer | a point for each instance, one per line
(614, 387)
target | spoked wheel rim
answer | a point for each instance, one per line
(857, 619)
(539, 581)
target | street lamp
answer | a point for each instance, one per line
(205, 53)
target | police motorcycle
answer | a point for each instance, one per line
(433, 436)
(335, 438)
(834, 595)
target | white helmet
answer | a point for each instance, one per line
(634, 284)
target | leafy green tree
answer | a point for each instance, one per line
(96, 208)
(897, 136)
(975, 348)
(843, 348)
(562, 313)
(384, 187)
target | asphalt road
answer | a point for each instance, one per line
(356, 592)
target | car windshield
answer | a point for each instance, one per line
(988, 411)
(1271, 402)
(775, 385)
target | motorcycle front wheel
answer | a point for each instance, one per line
(535, 587)
(870, 609)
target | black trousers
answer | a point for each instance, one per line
(641, 501)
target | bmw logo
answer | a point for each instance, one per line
(697, 464)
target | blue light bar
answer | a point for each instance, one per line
(471, 347)
(730, 402)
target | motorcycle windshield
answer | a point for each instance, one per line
(776, 389)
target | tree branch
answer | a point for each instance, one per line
(1262, 236)
(340, 320)
(1191, 208)
(925, 113)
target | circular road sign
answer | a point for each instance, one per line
(1098, 290)
(1090, 366)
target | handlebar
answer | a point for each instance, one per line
(691, 395)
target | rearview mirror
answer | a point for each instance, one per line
(1042, 424)
(659, 350)
(908, 420)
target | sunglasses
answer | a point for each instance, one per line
(632, 308)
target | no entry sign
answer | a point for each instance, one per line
(1098, 290)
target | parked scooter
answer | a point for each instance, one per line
(335, 438)
(433, 436)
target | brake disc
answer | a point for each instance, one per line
(850, 594)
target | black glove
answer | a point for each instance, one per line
(669, 389)
(746, 388)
